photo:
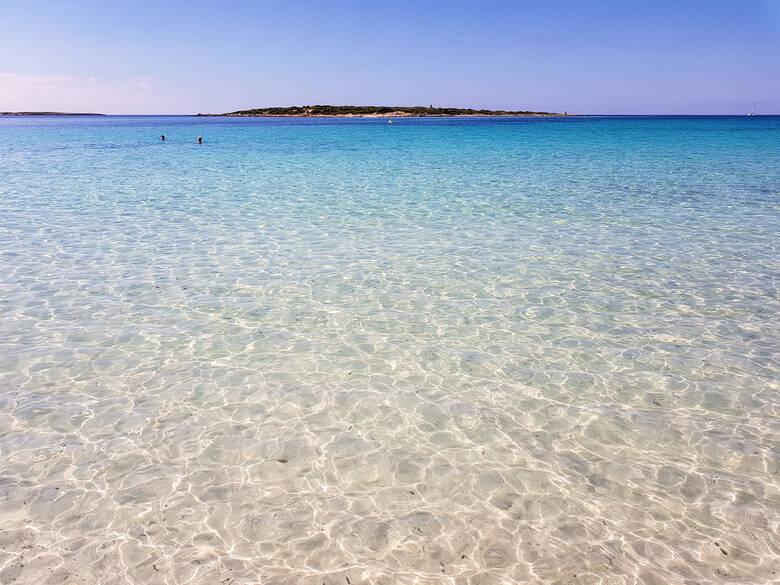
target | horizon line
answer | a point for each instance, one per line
(53, 113)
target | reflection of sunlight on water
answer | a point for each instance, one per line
(403, 374)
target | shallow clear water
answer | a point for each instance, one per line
(470, 351)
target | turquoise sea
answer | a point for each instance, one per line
(467, 351)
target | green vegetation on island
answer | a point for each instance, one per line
(376, 111)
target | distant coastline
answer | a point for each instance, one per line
(325, 111)
(49, 114)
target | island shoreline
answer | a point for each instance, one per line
(50, 114)
(328, 111)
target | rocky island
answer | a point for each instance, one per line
(375, 112)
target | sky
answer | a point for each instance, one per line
(607, 57)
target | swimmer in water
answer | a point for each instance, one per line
(162, 137)
(200, 139)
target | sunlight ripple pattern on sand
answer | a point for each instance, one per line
(443, 351)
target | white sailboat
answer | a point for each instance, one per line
(752, 111)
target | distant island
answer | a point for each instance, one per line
(48, 114)
(375, 112)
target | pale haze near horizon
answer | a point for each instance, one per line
(183, 58)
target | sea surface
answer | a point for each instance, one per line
(466, 351)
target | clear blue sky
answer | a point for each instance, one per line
(587, 57)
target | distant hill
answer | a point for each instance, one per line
(47, 114)
(376, 111)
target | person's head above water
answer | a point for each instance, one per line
(200, 139)
(162, 137)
